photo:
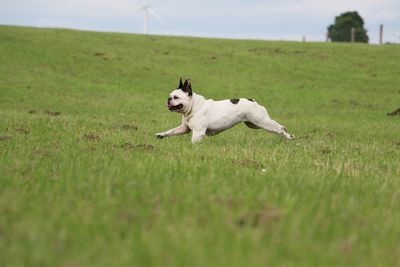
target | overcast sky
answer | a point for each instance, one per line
(255, 19)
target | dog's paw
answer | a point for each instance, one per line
(288, 136)
(160, 135)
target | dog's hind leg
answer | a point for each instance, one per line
(262, 120)
(274, 127)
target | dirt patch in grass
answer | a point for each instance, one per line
(265, 216)
(4, 138)
(127, 216)
(260, 218)
(299, 52)
(325, 150)
(346, 247)
(277, 50)
(331, 135)
(261, 50)
(97, 82)
(22, 130)
(354, 103)
(53, 113)
(91, 137)
(129, 127)
(128, 146)
(41, 152)
(143, 147)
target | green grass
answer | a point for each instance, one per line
(92, 186)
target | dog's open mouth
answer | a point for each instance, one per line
(177, 107)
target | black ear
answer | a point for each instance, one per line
(180, 84)
(187, 87)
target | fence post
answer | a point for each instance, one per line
(353, 34)
(381, 34)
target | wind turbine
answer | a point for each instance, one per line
(148, 11)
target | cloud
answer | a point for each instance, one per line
(287, 9)
(73, 8)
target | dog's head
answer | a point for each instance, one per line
(179, 99)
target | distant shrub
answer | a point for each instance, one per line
(340, 31)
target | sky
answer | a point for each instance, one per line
(238, 19)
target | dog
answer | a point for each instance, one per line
(203, 116)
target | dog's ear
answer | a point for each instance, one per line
(187, 87)
(180, 84)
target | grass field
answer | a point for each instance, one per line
(84, 181)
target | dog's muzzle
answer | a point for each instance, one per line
(172, 107)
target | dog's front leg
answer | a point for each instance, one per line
(197, 135)
(181, 129)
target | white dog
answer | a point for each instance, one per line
(208, 117)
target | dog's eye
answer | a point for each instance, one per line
(175, 97)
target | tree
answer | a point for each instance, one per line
(341, 30)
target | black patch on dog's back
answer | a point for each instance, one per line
(250, 99)
(235, 101)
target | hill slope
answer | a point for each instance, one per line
(84, 182)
